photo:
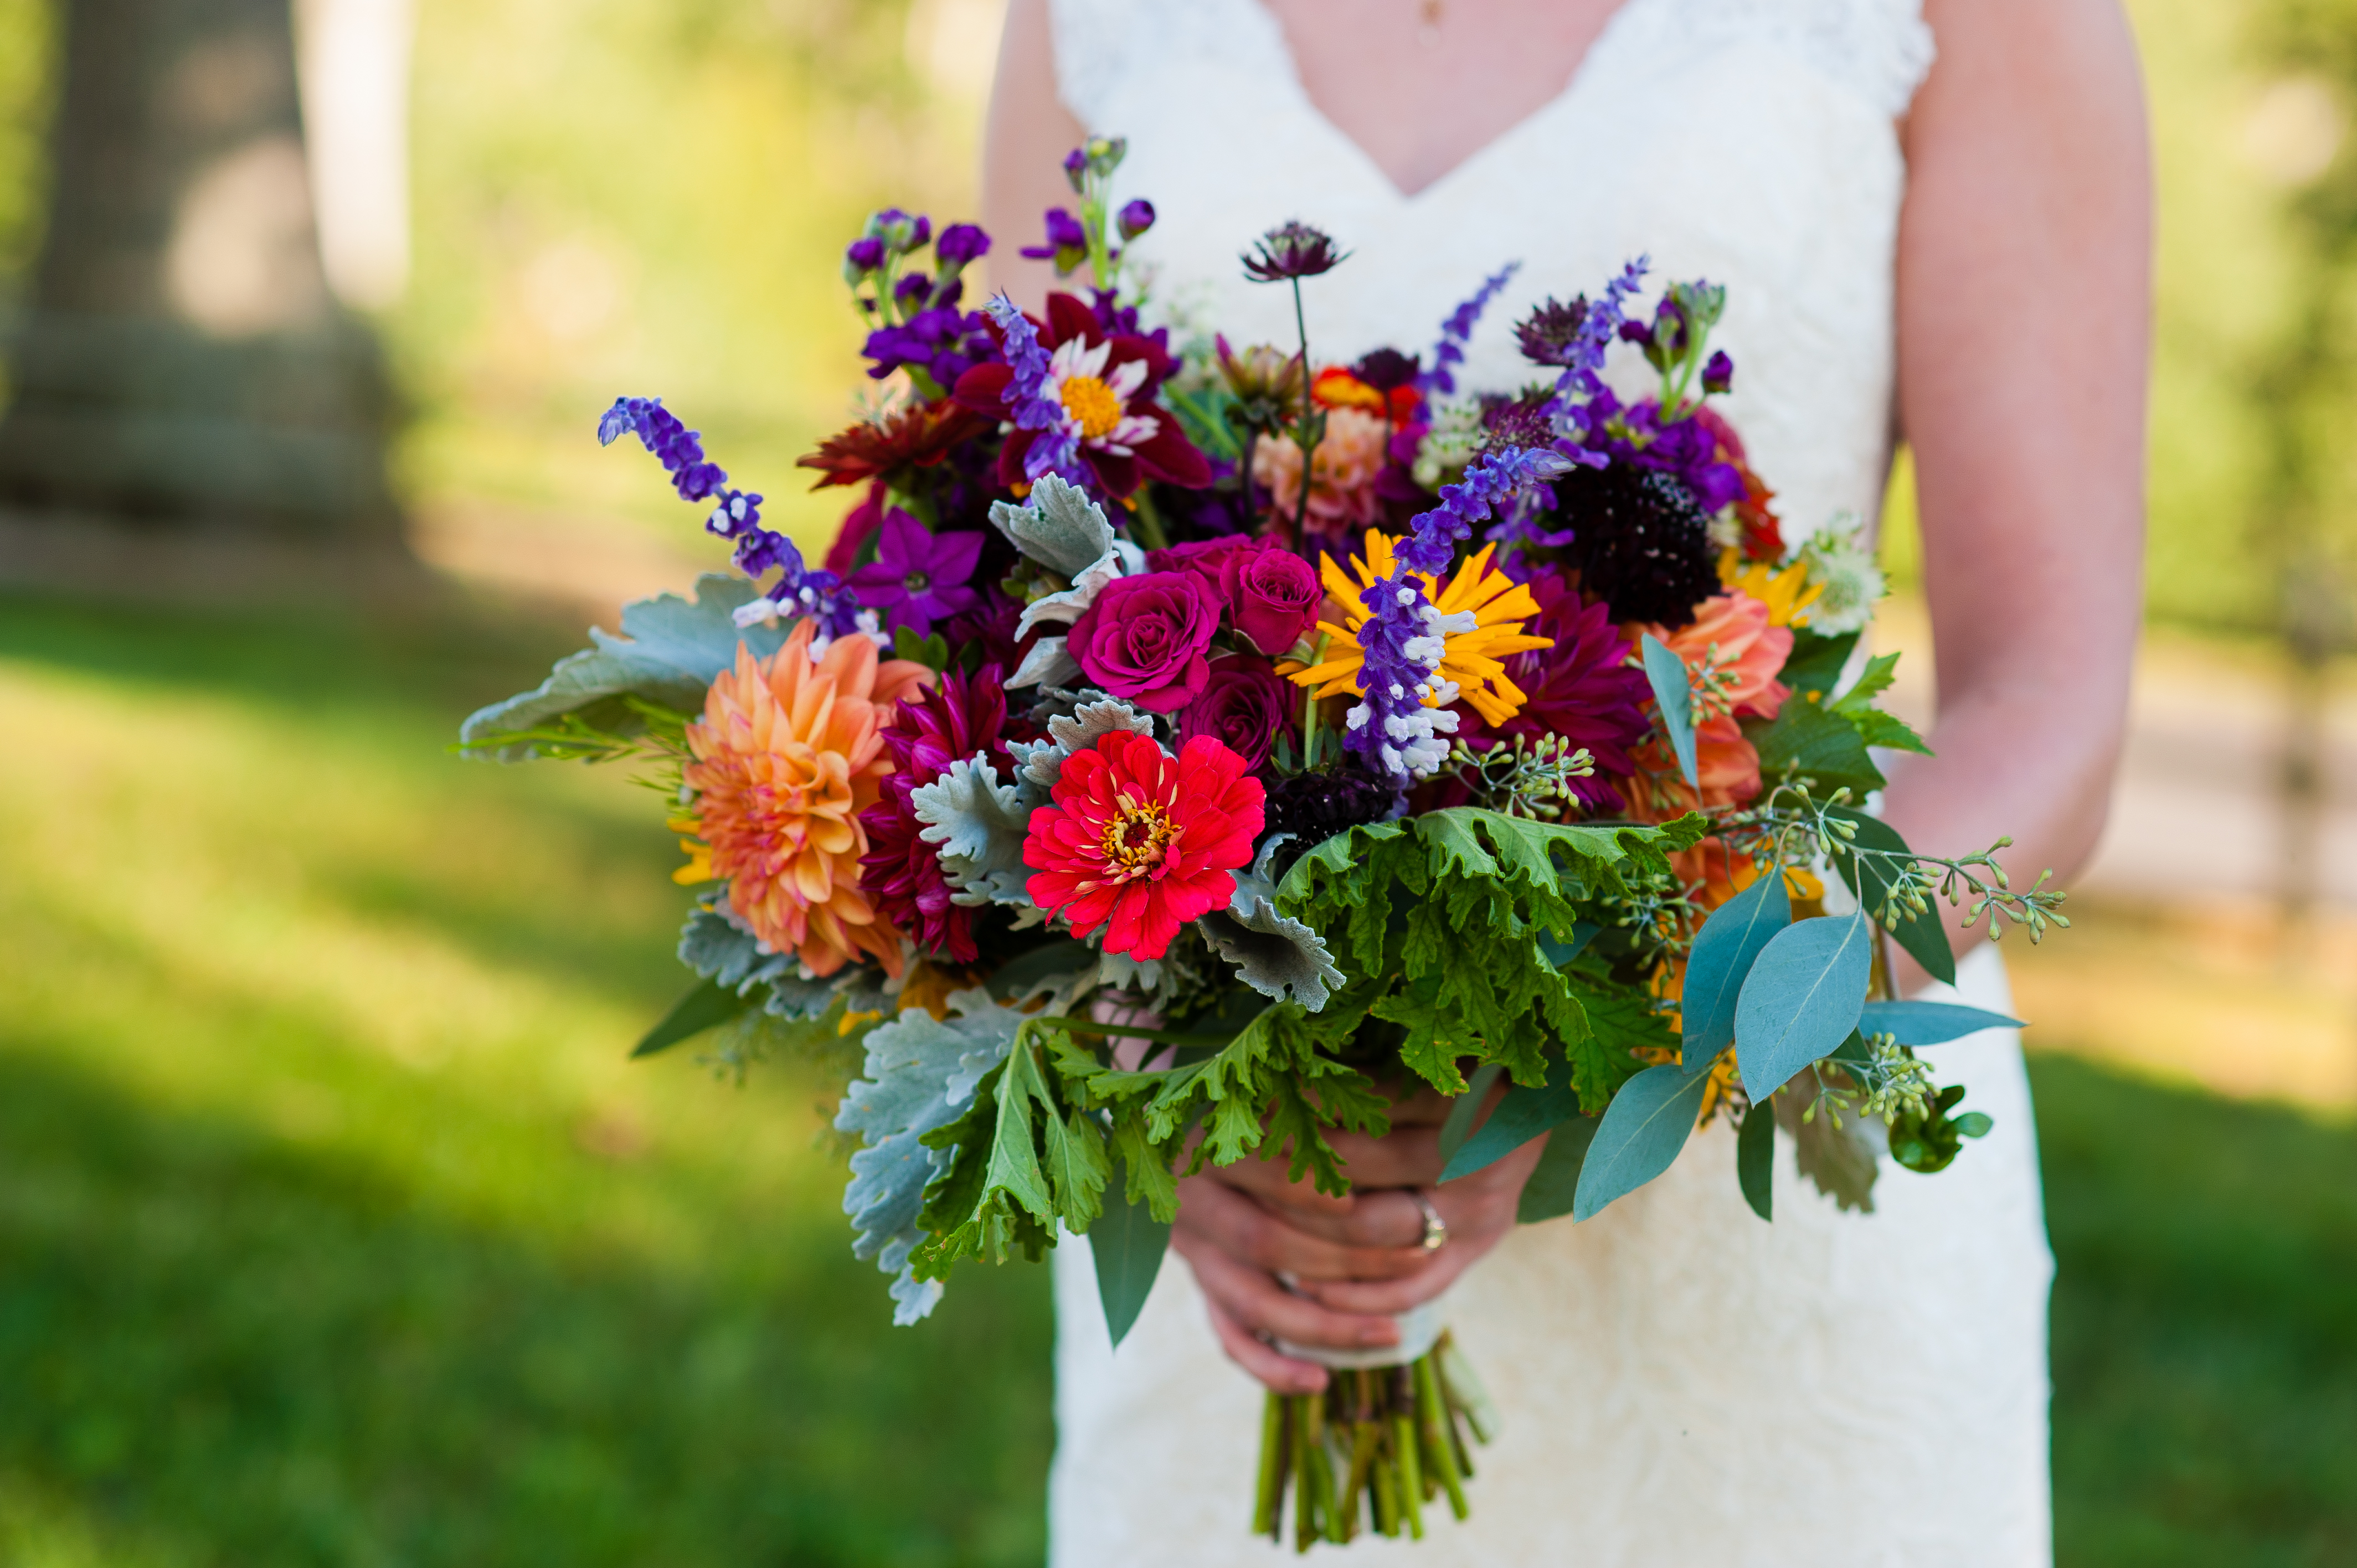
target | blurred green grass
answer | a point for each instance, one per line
(335, 1228)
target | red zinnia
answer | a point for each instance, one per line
(1140, 843)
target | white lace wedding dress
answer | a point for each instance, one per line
(1680, 1384)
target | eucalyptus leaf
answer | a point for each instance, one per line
(1675, 693)
(1924, 935)
(1723, 951)
(1755, 1160)
(1128, 1246)
(1553, 1185)
(1466, 1106)
(1640, 1136)
(1929, 1023)
(1522, 1115)
(1803, 998)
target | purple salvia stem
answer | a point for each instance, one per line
(1458, 330)
(1053, 449)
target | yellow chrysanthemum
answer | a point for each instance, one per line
(1473, 660)
(1787, 594)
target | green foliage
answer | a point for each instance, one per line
(1673, 700)
(1126, 1247)
(1723, 951)
(1802, 999)
(1643, 1131)
(1042, 1160)
(1439, 921)
(1553, 1185)
(707, 1006)
(1755, 1161)
(1810, 739)
(1816, 661)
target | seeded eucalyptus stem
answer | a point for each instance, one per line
(1368, 1452)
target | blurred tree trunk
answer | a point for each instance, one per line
(182, 364)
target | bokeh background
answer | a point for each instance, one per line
(335, 1227)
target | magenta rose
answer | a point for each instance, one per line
(1244, 706)
(1204, 557)
(1273, 597)
(1144, 638)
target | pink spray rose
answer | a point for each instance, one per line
(1144, 638)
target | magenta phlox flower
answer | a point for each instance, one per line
(918, 577)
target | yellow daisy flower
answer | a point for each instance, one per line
(1473, 660)
(1787, 594)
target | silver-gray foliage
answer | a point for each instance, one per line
(977, 825)
(921, 1073)
(669, 651)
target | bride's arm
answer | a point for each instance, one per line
(1024, 143)
(2024, 326)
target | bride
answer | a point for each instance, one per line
(1933, 220)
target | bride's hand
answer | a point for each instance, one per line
(1353, 1261)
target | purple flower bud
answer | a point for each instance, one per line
(959, 244)
(1135, 219)
(912, 289)
(900, 232)
(1076, 166)
(1068, 243)
(863, 256)
(1636, 332)
(1719, 375)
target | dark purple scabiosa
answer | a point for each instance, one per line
(917, 577)
(1291, 252)
(1640, 541)
(1524, 421)
(1581, 689)
(1386, 370)
(902, 874)
(1547, 336)
(1314, 806)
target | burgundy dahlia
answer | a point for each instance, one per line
(902, 874)
(1581, 689)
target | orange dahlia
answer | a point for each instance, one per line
(786, 756)
(1141, 842)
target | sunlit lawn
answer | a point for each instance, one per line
(335, 1228)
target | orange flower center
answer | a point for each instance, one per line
(1092, 405)
(1136, 839)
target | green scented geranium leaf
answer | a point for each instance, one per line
(1640, 1135)
(1890, 732)
(1803, 999)
(669, 651)
(1126, 1247)
(920, 1074)
(1808, 740)
(1673, 693)
(1755, 1161)
(1723, 951)
(1816, 661)
(1522, 1115)
(708, 1007)
(1553, 1185)
(1924, 935)
(1872, 682)
(1929, 1023)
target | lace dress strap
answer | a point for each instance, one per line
(1110, 53)
(1879, 49)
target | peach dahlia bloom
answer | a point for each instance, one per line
(1341, 476)
(787, 754)
(1732, 657)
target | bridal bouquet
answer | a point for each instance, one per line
(1184, 752)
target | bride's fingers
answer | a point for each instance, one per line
(1408, 1156)
(1391, 1296)
(1244, 1230)
(1279, 1373)
(1261, 1305)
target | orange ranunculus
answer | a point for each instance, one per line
(786, 756)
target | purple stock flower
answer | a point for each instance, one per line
(1135, 219)
(1055, 450)
(960, 245)
(1719, 374)
(1068, 243)
(1458, 330)
(1076, 166)
(862, 256)
(943, 343)
(918, 577)
(1291, 252)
